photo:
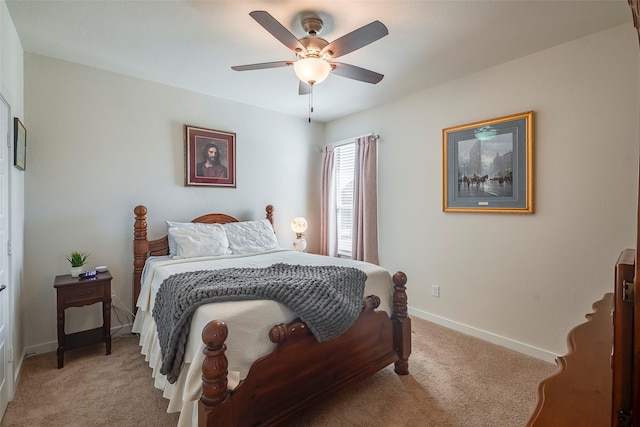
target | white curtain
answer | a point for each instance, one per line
(328, 232)
(365, 201)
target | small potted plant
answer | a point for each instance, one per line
(77, 260)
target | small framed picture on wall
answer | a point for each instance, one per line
(210, 157)
(19, 144)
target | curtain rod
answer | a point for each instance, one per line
(349, 140)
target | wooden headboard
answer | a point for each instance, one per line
(143, 248)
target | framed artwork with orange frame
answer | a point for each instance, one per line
(488, 166)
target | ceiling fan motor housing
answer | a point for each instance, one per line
(313, 45)
(312, 25)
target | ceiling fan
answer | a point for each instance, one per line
(314, 55)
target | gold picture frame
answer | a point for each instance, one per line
(488, 166)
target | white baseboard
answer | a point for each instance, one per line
(53, 345)
(486, 336)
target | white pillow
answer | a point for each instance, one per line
(200, 240)
(172, 243)
(249, 237)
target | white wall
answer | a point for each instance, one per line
(101, 143)
(525, 278)
(11, 87)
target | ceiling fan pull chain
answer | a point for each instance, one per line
(310, 102)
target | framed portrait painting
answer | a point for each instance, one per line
(19, 144)
(210, 157)
(488, 166)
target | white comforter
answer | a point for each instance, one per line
(248, 322)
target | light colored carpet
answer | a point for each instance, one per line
(455, 380)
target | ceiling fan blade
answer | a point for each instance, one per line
(277, 30)
(356, 73)
(356, 39)
(261, 66)
(304, 88)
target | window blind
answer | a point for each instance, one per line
(344, 156)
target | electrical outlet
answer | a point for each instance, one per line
(435, 291)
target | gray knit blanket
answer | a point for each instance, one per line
(327, 298)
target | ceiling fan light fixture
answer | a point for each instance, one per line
(312, 70)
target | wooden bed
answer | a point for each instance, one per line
(301, 372)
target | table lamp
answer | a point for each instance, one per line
(299, 226)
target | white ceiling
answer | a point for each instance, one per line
(193, 44)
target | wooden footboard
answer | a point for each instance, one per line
(302, 373)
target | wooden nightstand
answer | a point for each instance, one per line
(76, 292)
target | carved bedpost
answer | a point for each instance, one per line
(215, 407)
(140, 249)
(401, 324)
(270, 210)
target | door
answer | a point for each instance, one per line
(6, 316)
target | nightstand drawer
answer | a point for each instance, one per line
(82, 293)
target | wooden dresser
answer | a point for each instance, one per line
(597, 384)
(579, 394)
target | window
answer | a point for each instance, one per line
(344, 156)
